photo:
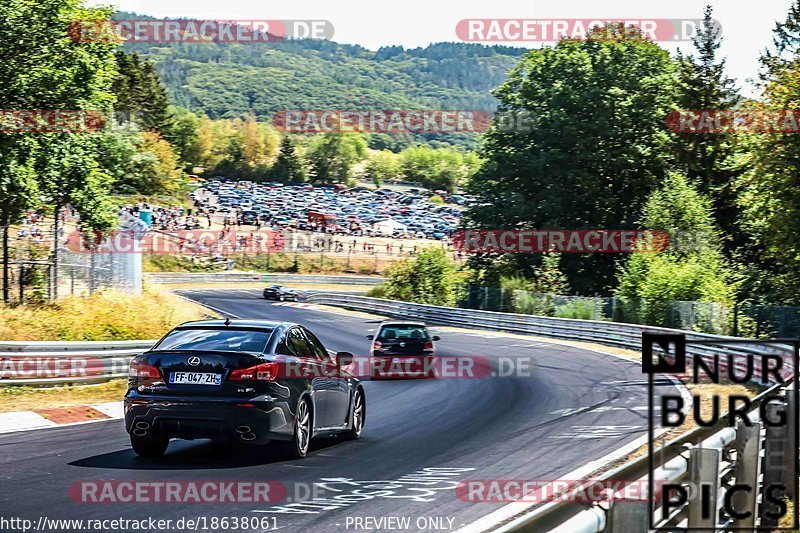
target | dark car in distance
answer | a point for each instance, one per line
(402, 349)
(243, 381)
(280, 293)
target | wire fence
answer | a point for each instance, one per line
(740, 320)
(39, 280)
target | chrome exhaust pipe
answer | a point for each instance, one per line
(142, 425)
(140, 432)
(243, 429)
(248, 436)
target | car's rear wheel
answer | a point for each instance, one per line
(149, 446)
(358, 416)
(297, 448)
(281, 297)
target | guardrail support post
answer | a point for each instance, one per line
(703, 488)
(748, 457)
(628, 517)
(789, 474)
(776, 446)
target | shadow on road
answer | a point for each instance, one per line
(199, 455)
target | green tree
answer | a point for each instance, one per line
(43, 68)
(290, 165)
(141, 162)
(599, 147)
(436, 168)
(141, 97)
(691, 268)
(257, 144)
(382, 166)
(769, 196)
(184, 134)
(785, 43)
(768, 192)
(334, 156)
(708, 158)
(431, 278)
(18, 190)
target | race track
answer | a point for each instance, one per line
(577, 406)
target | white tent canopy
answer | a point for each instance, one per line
(388, 227)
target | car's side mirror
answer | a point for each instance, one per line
(436, 338)
(370, 337)
(344, 359)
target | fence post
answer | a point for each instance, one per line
(21, 283)
(789, 473)
(704, 487)
(748, 456)
(775, 448)
(736, 319)
(627, 516)
(50, 292)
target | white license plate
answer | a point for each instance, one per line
(195, 378)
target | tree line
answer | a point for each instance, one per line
(604, 156)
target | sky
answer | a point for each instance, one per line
(746, 27)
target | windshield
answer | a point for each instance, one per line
(231, 340)
(388, 333)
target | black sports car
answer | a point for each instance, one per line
(247, 381)
(280, 293)
(402, 349)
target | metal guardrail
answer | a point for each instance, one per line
(247, 277)
(59, 363)
(755, 455)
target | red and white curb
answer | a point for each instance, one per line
(60, 416)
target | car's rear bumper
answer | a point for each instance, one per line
(402, 366)
(215, 418)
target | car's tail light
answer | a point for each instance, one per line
(428, 346)
(143, 370)
(262, 372)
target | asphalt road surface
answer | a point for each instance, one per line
(420, 438)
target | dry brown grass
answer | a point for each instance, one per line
(103, 316)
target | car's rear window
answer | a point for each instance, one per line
(231, 340)
(402, 332)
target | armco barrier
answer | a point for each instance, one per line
(249, 277)
(718, 456)
(57, 363)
